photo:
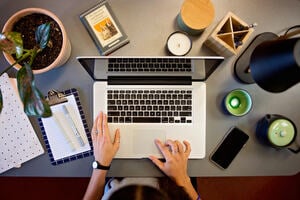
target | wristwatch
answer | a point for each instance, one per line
(97, 165)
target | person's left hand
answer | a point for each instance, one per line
(104, 149)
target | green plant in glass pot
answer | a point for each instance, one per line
(12, 43)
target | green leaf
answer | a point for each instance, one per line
(42, 35)
(1, 101)
(11, 43)
(33, 100)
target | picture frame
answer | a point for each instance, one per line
(104, 28)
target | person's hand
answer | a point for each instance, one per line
(176, 157)
(104, 148)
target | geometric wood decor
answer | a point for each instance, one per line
(229, 35)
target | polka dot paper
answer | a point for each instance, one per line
(19, 142)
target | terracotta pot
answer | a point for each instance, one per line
(66, 46)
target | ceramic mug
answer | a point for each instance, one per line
(277, 131)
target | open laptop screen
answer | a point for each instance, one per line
(198, 68)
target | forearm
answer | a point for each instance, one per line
(96, 185)
(188, 187)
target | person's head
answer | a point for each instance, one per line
(141, 192)
(138, 192)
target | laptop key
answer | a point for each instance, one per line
(187, 108)
(164, 120)
(112, 108)
(127, 119)
(113, 113)
(182, 119)
(111, 102)
(171, 119)
(146, 114)
(115, 120)
(146, 120)
(185, 114)
(121, 119)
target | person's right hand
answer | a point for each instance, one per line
(176, 157)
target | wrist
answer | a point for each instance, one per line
(97, 172)
(97, 165)
(103, 161)
(184, 181)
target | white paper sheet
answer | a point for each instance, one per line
(61, 137)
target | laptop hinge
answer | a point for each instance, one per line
(147, 80)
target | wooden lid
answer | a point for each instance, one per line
(197, 14)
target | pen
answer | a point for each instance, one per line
(73, 126)
(60, 126)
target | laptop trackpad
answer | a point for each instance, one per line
(144, 141)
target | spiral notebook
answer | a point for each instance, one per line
(19, 142)
(66, 132)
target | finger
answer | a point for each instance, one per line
(157, 162)
(179, 146)
(100, 123)
(188, 148)
(93, 136)
(117, 139)
(163, 149)
(173, 145)
(94, 129)
(105, 125)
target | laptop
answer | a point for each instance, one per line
(150, 98)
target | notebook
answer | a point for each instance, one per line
(152, 98)
(19, 142)
(66, 132)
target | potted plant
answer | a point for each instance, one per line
(23, 58)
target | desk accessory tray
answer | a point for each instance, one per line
(229, 35)
(62, 154)
(104, 28)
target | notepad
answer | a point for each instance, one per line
(66, 133)
(18, 140)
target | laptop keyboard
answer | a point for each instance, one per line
(149, 106)
(149, 65)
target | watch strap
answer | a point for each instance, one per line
(99, 166)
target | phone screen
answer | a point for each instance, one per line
(229, 147)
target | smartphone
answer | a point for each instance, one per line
(229, 147)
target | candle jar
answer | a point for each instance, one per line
(237, 102)
(179, 43)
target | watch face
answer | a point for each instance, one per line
(95, 164)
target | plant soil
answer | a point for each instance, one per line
(27, 26)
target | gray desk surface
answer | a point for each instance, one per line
(148, 23)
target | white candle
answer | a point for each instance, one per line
(179, 44)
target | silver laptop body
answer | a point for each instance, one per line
(150, 100)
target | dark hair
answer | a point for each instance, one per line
(138, 192)
(168, 191)
(174, 191)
